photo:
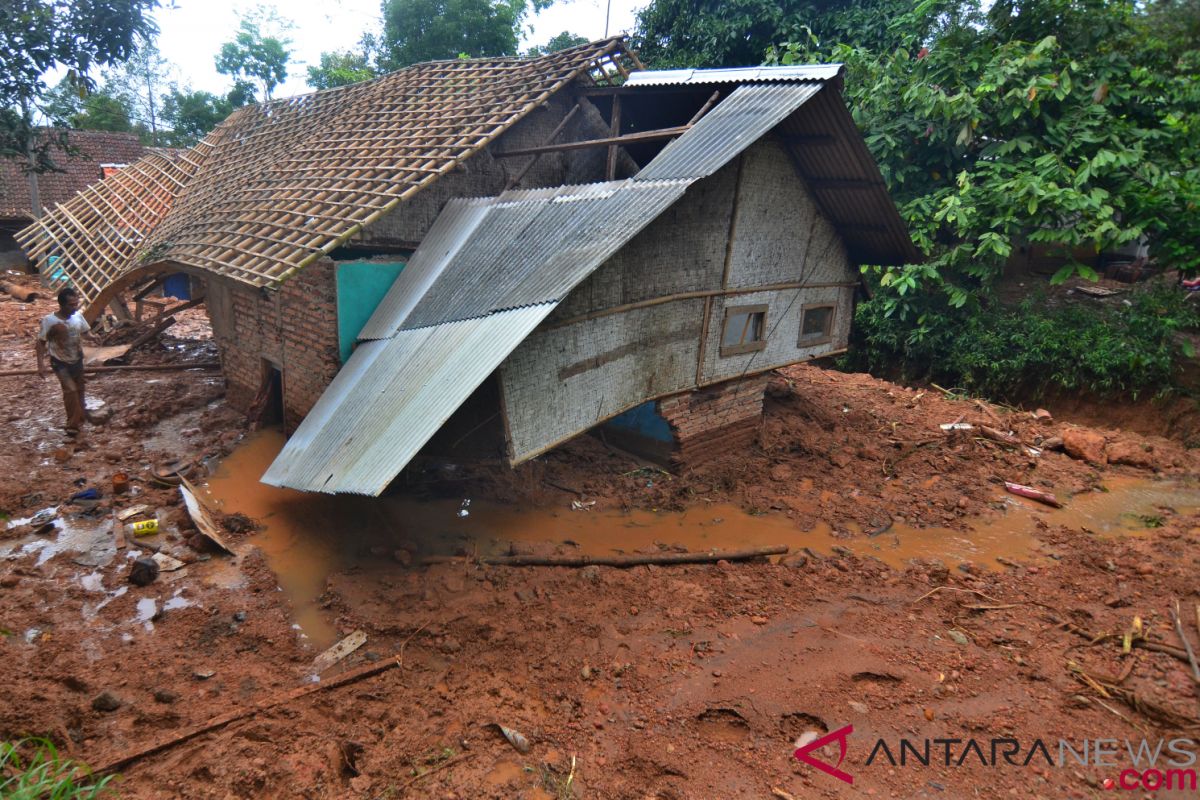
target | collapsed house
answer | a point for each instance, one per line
(495, 256)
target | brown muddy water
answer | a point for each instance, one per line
(308, 536)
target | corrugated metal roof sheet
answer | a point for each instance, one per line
(834, 160)
(488, 272)
(391, 397)
(536, 251)
(738, 121)
(800, 72)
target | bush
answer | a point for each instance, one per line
(1021, 352)
(33, 769)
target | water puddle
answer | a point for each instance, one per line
(147, 610)
(90, 539)
(309, 536)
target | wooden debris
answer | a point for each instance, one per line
(339, 651)
(19, 292)
(1022, 490)
(631, 560)
(14, 373)
(1187, 644)
(93, 356)
(352, 676)
(201, 515)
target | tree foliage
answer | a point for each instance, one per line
(340, 69)
(560, 41)
(428, 30)
(1072, 122)
(733, 33)
(192, 114)
(40, 36)
(258, 53)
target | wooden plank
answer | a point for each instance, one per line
(630, 138)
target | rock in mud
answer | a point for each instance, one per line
(165, 696)
(1136, 454)
(1085, 445)
(9, 581)
(106, 701)
(590, 574)
(795, 560)
(144, 572)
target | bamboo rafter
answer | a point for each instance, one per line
(278, 184)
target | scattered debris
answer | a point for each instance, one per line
(132, 511)
(580, 505)
(515, 738)
(339, 651)
(144, 571)
(106, 702)
(201, 515)
(1033, 494)
(630, 560)
(167, 563)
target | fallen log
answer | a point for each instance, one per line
(13, 373)
(365, 671)
(632, 560)
(19, 292)
(1033, 494)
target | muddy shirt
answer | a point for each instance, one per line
(69, 351)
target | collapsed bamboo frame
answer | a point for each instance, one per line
(278, 185)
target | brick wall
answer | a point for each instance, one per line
(716, 420)
(293, 328)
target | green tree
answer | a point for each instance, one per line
(258, 53)
(340, 69)
(40, 36)
(140, 82)
(192, 114)
(1087, 137)
(562, 41)
(99, 110)
(428, 30)
(735, 33)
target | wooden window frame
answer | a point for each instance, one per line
(745, 347)
(812, 340)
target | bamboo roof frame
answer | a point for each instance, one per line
(278, 185)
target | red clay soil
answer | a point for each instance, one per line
(650, 682)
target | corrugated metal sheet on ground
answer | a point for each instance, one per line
(800, 72)
(737, 122)
(391, 397)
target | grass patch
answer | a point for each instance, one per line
(33, 769)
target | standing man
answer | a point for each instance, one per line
(61, 333)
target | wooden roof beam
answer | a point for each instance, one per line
(629, 138)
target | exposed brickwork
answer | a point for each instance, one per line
(293, 328)
(711, 422)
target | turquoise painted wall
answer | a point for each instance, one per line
(360, 287)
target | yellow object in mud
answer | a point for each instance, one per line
(145, 527)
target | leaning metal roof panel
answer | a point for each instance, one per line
(737, 122)
(489, 271)
(671, 77)
(529, 252)
(391, 397)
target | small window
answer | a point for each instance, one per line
(816, 325)
(745, 330)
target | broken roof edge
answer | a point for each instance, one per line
(822, 73)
